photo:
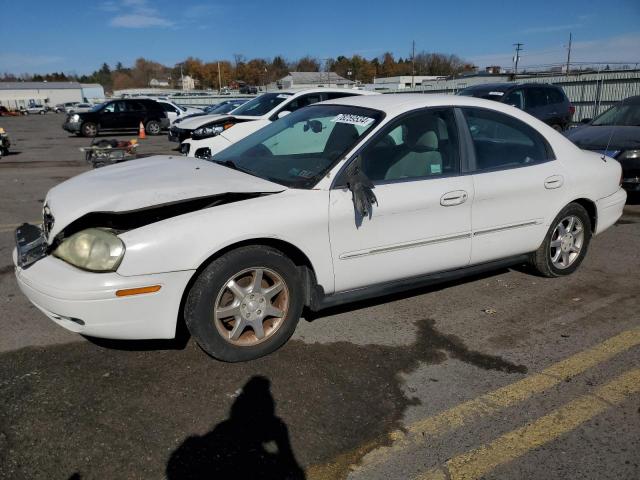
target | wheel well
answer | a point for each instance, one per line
(590, 207)
(291, 251)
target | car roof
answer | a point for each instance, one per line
(397, 103)
(298, 92)
(503, 87)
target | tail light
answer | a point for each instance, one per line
(572, 109)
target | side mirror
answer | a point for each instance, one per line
(314, 125)
(586, 120)
(283, 113)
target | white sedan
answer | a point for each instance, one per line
(336, 202)
(204, 137)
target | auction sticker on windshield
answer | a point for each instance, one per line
(353, 119)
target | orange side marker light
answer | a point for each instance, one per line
(137, 291)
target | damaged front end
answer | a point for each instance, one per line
(91, 242)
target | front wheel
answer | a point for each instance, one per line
(245, 304)
(566, 243)
(89, 129)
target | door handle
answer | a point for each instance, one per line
(554, 181)
(456, 197)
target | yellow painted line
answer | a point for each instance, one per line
(522, 390)
(510, 395)
(512, 445)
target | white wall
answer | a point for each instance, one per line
(17, 98)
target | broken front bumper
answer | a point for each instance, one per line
(31, 245)
(86, 302)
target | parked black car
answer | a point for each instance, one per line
(118, 115)
(616, 133)
(545, 102)
(248, 89)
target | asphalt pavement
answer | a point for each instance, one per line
(501, 376)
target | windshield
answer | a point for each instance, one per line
(297, 150)
(486, 93)
(98, 107)
(620, 115)
(262, 104)
(222, 108)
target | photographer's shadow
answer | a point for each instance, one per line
(252, 443)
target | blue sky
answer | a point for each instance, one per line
(76, 36)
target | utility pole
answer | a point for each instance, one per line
(413, 63)
(516, 58)
(569, 54)
(219, 79)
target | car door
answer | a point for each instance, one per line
(111, 115)
(172, 112)
(136, 112)
(422, 220)
(536, 103)
(518, 185)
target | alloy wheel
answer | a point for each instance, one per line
(567, 241)
(251, 306)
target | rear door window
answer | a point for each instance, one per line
(555, 96)
(536, 97)
(501, 141)
(515, 99)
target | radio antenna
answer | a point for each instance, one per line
(613, 127)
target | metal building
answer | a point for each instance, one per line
(14, 95)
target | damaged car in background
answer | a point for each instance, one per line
(203, 137)
(337, 202)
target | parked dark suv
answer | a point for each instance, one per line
(545, 102)
(118, 115)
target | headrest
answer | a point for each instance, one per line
(429, 140)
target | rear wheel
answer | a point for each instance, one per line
(557, 127)
(89, 129)
(245, 304)
(153, 127)
(566, 243)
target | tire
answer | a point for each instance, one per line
(42, 112)
(557, 127)
(89, 129)
(153, 128)
(210, 298)
(556, 256)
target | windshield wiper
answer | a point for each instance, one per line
(228, 163)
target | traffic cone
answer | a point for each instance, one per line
(141, 132)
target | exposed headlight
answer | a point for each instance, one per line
(92, 249)
(75, 118)
(627, 154)
(210, 130)
(206, 132)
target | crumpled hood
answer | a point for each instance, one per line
(202, 120)
(597, 138)
(145, 183)
(196, 122)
